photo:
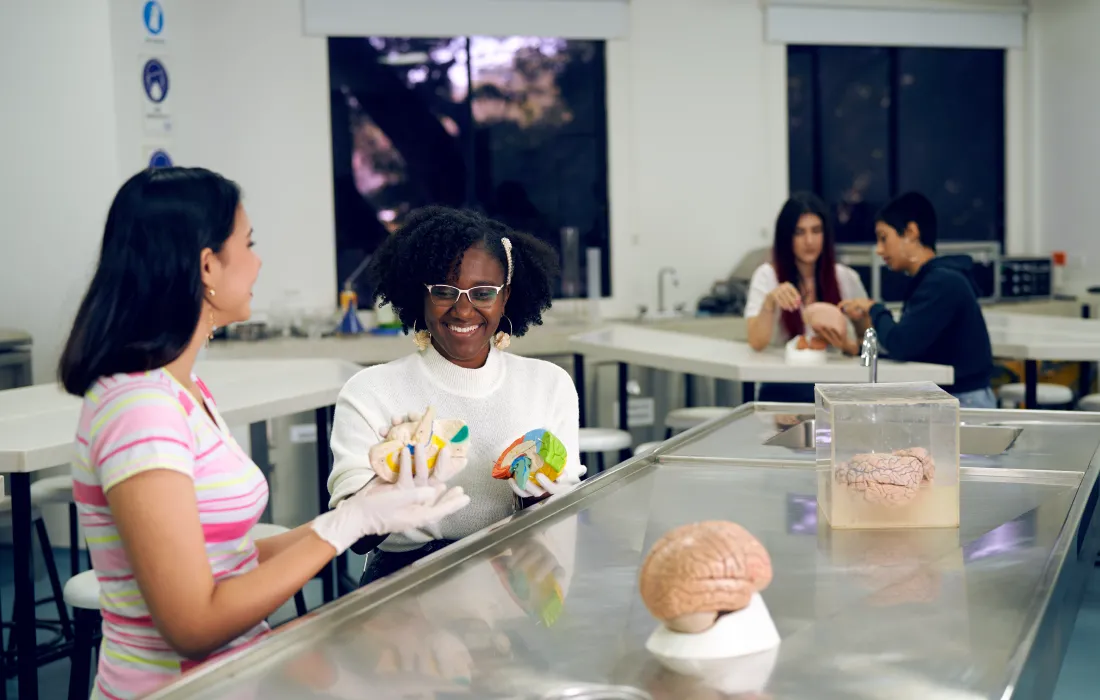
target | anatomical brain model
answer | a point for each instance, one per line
(698, 572)
(535, 452)
(892, 478)
(425, 433)
(821, 315)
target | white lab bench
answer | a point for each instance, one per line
(1034, 339)
(730, 360)
(38, 428)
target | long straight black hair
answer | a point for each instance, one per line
(786, 225)
(143, 305)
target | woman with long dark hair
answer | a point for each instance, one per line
(166, 496)
(802, 270)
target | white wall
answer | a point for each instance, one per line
(697, 138)
(58, 162)
(254, 105)
(698, 124)
(1066, 102)
(697, 118)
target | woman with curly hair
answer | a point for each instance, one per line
(463, 284)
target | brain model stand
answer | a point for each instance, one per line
(427, 433)
(535, 452)
(703, 582)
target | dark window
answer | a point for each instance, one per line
(514, 127)
(868, 123)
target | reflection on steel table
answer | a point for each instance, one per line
(972, 601)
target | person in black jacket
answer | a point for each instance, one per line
(941, 321)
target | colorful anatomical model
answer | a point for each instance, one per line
(426, 434)
(812, 343)
(533, 587)
(698, 572)
(536, 452)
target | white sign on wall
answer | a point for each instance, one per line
(158, 155)
(156, 87)
(152, 20)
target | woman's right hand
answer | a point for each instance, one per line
(786, 297)
(446, 463)
(380, 508)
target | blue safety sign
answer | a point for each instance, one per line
(153, 15)
(160, 159)
(154, 77)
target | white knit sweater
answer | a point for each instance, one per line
(501, 401)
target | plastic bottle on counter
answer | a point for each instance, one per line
(1058, 272)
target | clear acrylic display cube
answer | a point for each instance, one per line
(887, 455)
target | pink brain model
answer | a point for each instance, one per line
(824, 315)
(887, 479)
(697, 572)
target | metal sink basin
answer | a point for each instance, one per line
(973, 439)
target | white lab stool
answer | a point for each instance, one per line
(1089, 403)
(82, 593)
(1012, 395)
(687, 418)
(601, 440)
(51, 571)
(59, 490)
(646, 447)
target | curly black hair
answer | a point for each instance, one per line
(428, 249)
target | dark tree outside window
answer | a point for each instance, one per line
(867, 123)
(514, 127)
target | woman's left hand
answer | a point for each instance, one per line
(856, 309)
(837, 339)
(541, 485)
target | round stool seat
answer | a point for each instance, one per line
(687, 418)
(646, 447)
(52, 489)
(82, 591)
(604, 439)
(1089, 403)
(1047, 394)
(262, 530)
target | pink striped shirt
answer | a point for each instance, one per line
(131, 423)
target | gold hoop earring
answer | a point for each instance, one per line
(213, 324)
(422, 339)
(502, 340)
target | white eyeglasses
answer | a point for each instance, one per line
(446, 295)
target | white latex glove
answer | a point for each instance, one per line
(406, 648)
(542, 485)
(413, 472)
(381, 508)
(437, 654)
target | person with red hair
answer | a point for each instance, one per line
(802, 270)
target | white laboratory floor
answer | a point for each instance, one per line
(1079, 680)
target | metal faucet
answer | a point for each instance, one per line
(661, 286)
(868, 356)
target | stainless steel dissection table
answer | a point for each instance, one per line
(984, 611)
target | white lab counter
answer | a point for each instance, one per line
(38, 423)
(736, 361)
